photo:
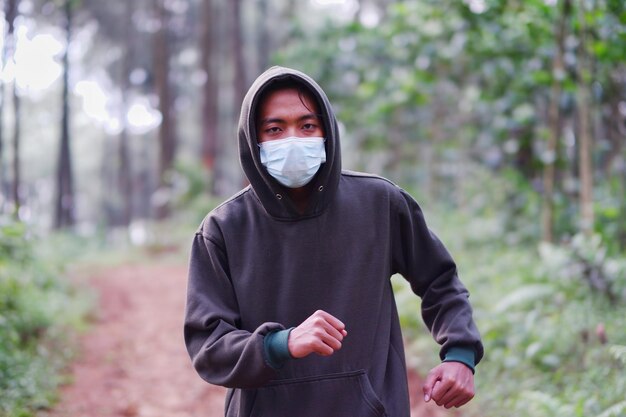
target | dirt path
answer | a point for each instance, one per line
(133, 361)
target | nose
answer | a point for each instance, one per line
(291, 131)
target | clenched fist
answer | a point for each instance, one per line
(321, 333)
(451, 384)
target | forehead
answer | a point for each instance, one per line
(286, 100)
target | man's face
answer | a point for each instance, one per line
(286, 113)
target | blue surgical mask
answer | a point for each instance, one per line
(293, 161)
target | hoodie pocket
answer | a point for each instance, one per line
(336, 395)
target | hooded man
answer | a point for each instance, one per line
(290, 303)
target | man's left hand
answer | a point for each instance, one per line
(450, 384)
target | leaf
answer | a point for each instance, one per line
(542, 77)
(524, 295)
(619, 353)
(533, 349)
(600, 49)
(616, 410)
(546, 402)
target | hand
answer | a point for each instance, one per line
(321, 333)
(451, 384)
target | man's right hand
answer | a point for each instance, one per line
(321, 333)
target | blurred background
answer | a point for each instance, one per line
(505, 119)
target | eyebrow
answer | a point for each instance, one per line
(269, 120)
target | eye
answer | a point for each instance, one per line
(309, 126)
(272, 130)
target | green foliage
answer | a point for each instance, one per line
(454, 104)
(436, 86)
(610, 212)
(551, 317)
(619, 352)
(615, 410)
(192, 199)
(38, 311)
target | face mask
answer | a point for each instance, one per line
(293, 161)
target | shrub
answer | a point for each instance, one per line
(38, 311)
(551, 316)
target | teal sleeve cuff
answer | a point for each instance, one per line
(461, 354)
(276, 348)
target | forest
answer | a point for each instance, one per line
(505, 119)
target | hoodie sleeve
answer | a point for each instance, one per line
(221, 352)
(423, 260)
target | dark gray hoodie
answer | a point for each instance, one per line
(258, 265)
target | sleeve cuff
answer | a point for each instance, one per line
(277, 348)
(461, 354)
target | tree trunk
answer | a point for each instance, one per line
(616, 129)
(210, 110)
(65, 188)
(107, 180)
(614, 121)
(239, 54)
(125, 179)
(239, 81)
(585, 168)
(264, 40)
(4, 195)
(10, 14)
(145, 179)
(167, 139)
(16, 153)
(554, 120)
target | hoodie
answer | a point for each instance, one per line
(258, 266)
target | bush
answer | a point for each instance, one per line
(38, 312)
(552, 319)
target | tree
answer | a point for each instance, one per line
(11, 14)
(7, 54)
(65, 216)
(125, 177)
(555, 124)
(167, 130)
(585, 170)
(239, 82)
(210, 110)
(264, 40)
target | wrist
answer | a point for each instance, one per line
(276, 348)
(464, 355)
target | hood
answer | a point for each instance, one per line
(272, 195)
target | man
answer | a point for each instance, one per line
(289, 297)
